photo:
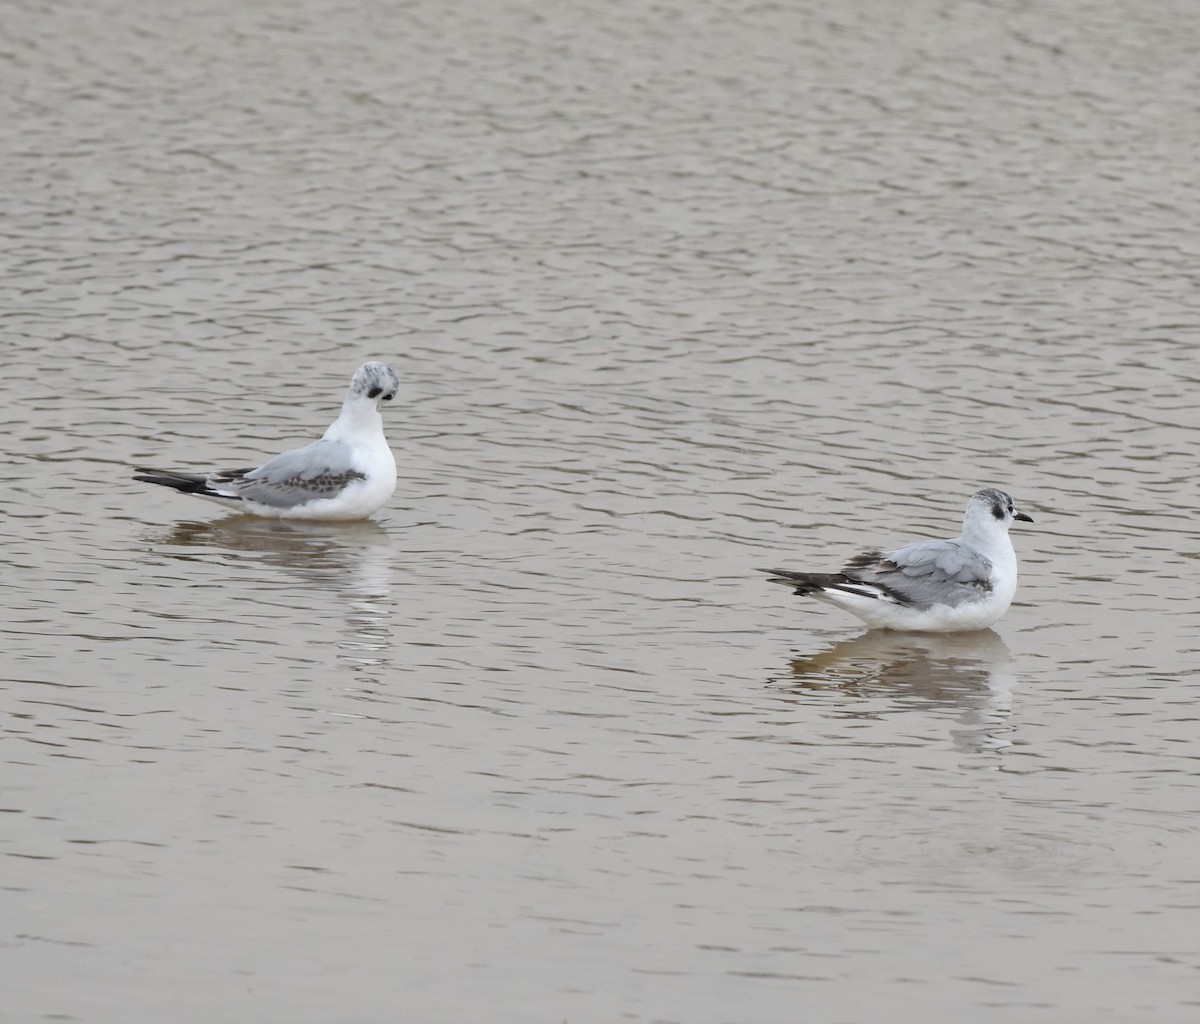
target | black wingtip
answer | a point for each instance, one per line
(777, 575)
(786, 578)
(186, 483)
(803, 583)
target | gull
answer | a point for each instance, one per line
(348, 474)
(937, 586)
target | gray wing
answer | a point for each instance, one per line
(922, 575)
(320, 470)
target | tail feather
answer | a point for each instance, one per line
(805, 583)
(185, 483)
(826, 585)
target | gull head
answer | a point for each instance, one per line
(375, 381)
(991, 509)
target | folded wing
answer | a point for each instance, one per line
(320, 470)
(926, 574)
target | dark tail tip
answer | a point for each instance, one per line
(802, 583)
(187, 483)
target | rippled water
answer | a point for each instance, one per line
(675, 292)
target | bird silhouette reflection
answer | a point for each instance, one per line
(884, 672)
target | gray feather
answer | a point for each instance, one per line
(922, 575)
(319, 470)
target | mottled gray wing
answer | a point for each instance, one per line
(922, 575)
(319, 470)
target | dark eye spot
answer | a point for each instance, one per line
(389, 396)
(374, 392)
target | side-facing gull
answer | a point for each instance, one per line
(348, 474)
(935, 586)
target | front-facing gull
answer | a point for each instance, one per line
(348, 474)
(937, 586)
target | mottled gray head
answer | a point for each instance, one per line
(994, 507)
(376, 381)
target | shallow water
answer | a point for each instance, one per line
(674, 293)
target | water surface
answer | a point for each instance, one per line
(674, 293)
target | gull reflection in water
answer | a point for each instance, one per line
(970, 673)
(352, 560)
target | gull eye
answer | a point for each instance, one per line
(389, 396)
(374, 392)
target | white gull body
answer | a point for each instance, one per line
(932, 586)
(348, 474)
